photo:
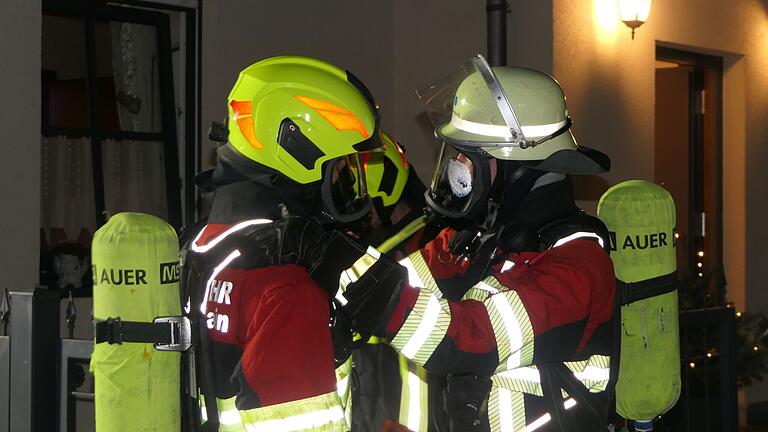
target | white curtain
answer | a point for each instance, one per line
(67, 199)
(134, 177)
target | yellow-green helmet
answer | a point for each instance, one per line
(304, 120)
(386, 172)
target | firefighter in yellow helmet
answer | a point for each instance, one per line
(296, 133)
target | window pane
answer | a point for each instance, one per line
(127, 70)
(134, 177)
(64, 72)
(68, 215)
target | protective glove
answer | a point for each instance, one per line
(372, 299)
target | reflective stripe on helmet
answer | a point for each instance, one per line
(534, 131)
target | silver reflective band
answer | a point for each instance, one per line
(414, 280)
(341, 386)
(225, 234)
(414, 402)
(579, 235)
(485, 287)
(340, 296)
(523, 374)
(534, 131)
(230, 417)
(506, 418)
(372, 251)
(216, 271)
(507, 266)
(593, 373)
(541, 421)
(299, 422)
(425, 327)
(514, 333)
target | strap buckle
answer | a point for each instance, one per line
(180, 333)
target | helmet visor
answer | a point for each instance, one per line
(469, 107)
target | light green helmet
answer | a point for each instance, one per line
(509, 113)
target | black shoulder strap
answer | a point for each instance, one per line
(630, 292)
(550, 233)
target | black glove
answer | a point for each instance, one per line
(330, 255)
(466, 402)
(341, 332)
(372, 299)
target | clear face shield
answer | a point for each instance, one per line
(469, 108)
(460, 183)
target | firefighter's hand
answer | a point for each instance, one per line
(331, 254)
(341, 332)
(372, 299)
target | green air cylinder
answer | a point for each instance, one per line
(640, 217)
(135, 277)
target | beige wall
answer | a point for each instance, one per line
(609, 80)
(20, 145)
(393, 47)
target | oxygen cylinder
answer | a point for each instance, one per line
(640, 217)
(135, 277)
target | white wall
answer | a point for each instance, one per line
(20, 143)
(610, 83)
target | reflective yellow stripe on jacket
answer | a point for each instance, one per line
(506, 406)
(321, 413)
(413, 413)
(229, 416)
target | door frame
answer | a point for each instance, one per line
(705, 99)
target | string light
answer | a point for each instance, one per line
(738, 314)
(700, 265)
(701, 274)
(692, 364)
(709, 355)
(677, 236)
(701, 253)
(754, 347)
